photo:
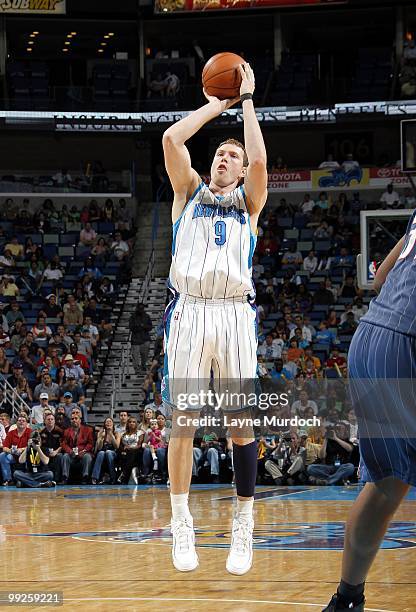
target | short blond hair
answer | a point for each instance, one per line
(236, 143)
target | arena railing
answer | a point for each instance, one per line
(13, 399)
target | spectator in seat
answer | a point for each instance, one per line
(268, 245)
(408, 200)
(13, 446)
(6, 260)
(37, 417)
(349, 163)
(154, 449)
(8, 287)
(292, 258)
(208, 453)
(47, 386)
(130, 452)
(15, 248)
(106, 448)
(51, 310)
(22, 390)
(119, 247)
(4, 363)
(330, 163)
(41, 332)
(100, 252)
(92, 311)
(123, 417)
(73, 314)
(61, 419)
(305, 331)
(336, 454)
(390, 198)
(14, 314)
(74, 369)
(4, 419)
(323, 296)
(349, 325)
(335, 358)
(359, 309)
(325, 335)
(64, 339)
(270, 349)
(157, 86)
(349, 287)
(300, 406)
(77, 446)
(4, 338)
(307, 205)
(281, 373)
(294, 352)
(89, 268)
(140, 326)
(310, 263)
(33, 462)
(323, 231)
(87, 236)
(52, 272)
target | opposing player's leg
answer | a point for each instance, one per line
(366, 526)
(382, 392)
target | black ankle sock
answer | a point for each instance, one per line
(351, 592)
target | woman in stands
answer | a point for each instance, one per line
(4, 363)
(130, 452)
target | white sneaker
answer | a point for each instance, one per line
(240, 557)
(184, 554)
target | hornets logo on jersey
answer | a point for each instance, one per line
(213, 245)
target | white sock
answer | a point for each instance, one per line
(179, 504)
(155, 464)
(154, 456)
(245, 508)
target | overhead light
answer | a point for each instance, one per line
(111, 33)
(67, 42)
(31, 42)
(29, 49)
(32, 35)
(73, 33)
(106, 36)
(103, 44)
(69, 35)
(35, 33)
(100, 50)
(65, 50)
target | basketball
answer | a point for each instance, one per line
(221, 77)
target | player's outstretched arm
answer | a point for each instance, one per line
(255, 183)
(387, 265)
(183, 177)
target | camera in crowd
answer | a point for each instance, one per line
(34, 439)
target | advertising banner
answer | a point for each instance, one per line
(167, 6)
(48, 7)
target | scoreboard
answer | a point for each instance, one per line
(169, 6)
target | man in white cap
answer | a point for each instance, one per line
(39, 409)
(71, 368)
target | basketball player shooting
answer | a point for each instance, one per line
(211, 322)
(381, 366)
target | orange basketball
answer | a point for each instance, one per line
(221, 77)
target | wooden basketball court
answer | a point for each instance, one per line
(108, 548)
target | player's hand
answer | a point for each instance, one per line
(248, 83)
(222, 105)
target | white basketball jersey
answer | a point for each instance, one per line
(213, 246)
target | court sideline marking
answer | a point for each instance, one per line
(248, 601)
